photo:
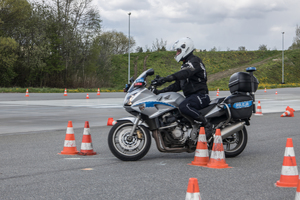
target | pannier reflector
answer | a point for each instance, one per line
(244, 104)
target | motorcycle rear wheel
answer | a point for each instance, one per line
(236, 143)
(128, 148)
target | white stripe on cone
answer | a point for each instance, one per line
(289, 151)
(289, 170)
(86, 131)
(286, 113)
(70, 130)
(86, 146)
(69, 143)
(193, 196)
(218, 155)
(297, 197)
(201, 153)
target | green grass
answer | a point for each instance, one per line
(269, 72)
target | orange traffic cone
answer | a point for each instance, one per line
(111, 122)
(27, 94)
(217, 158)
(193, 192)
(276, 92)
(69, 145)
(289, 172)
(289, 112)
(265, 89)
(86, 145)
(65, 93)
(258, 110)
(297, 196)
(98, 93)
(217, 94)
(201, 155)
(87, 96)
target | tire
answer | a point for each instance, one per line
(239, 139)
(125, 149)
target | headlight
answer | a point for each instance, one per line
(128, 101)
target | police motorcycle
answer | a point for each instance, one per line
(158, 115)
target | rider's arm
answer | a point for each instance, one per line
(171, 88)
(189, 69)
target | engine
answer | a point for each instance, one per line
(174, 131)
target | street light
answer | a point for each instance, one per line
(129, 49)
(282, 58)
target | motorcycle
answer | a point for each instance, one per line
(130, 140)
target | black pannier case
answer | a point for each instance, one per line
(241, 82)
(241, 105)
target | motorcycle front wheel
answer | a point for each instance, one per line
(128, 148)
(236, 143)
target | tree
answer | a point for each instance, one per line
(262, 47)
(105, 45)
(296, 43)
(139, 49)
(78, 22)
(8, 58)
(115, 42)
(242, 48)
(12, 14)
(159, 45)
(214, 49)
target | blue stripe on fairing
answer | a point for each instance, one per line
(150, 104)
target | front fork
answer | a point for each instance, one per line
(136, 122)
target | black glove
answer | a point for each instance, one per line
(155, 91)
(168, 79)
(162, 80)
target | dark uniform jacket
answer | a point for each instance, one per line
(191, 78)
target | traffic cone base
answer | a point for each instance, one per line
(201, 153)
(86, 145)
(69, 144)
(193, 192)
(289, 172)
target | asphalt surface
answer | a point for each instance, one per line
(32, 133)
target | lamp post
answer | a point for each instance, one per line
(282, 58)
(129, 49)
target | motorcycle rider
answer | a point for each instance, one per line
(191, 79)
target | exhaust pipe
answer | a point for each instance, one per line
(229, 130)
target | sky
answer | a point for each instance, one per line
(224, 24)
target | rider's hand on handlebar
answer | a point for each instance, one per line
(157, 81)
(161, 80)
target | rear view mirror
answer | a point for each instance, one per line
(150, 72)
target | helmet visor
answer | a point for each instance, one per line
(178, 51)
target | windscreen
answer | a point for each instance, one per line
(142, 77)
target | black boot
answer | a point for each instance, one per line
(207, 126)
(208, 130)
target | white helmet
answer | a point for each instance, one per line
(183, 46)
